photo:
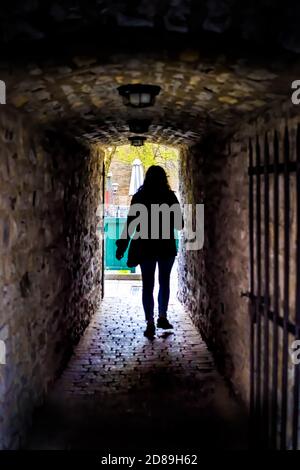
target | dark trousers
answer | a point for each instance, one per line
(148, 275)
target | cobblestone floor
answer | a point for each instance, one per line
(122, 390)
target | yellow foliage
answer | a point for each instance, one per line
(149, 154)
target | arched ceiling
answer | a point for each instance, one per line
(65, 79)
(81, 96)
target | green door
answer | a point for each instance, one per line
(113, 227)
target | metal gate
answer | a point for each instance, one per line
(274, 304)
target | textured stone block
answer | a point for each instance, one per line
(41, 207)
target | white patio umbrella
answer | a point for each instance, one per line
(137, 176)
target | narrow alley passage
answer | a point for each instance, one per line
(121, 390)
(92, 95)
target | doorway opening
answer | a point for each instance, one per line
(125, 168)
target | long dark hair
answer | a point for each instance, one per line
(156, 180)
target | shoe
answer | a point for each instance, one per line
(164, 323)
(150, 330)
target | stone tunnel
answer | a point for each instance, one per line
(225, 72)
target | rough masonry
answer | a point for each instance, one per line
(50, 280)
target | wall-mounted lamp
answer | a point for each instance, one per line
(139, 126)
(115, 187)
(138, 95)
(137, 140)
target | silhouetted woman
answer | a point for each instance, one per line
(153, 215)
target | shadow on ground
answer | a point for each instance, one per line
(165, 416)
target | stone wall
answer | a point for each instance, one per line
(50, 263)
(213, 279)
(267, 23)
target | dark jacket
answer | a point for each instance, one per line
(163, 243)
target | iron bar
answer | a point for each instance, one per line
(284, 384)
(265, 407)
(251, 306)
(276, 294)
(281, 168)
(297, 316)
(258, 288)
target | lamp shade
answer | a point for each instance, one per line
(137, 140)
(139, 126)
(138, 95)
